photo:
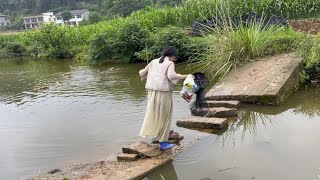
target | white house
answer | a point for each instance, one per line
(76, 17)
(4, 20)
(32, 22)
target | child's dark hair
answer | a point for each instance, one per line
(168, 51)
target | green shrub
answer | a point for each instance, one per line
(229, 47)
(169, 36)
(118, 43)
(63, 42)
(11, 47)
(309, 49)
(15, 49)
(50, 41)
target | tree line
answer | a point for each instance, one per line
(101, 9)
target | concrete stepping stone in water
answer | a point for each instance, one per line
(127, 157)
(203, 123)
(142, 149)
(218, 112)
(174, 138)
(226, 104)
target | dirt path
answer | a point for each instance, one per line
(311, 26)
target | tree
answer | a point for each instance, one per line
(168, 2)
(66, 15)
(17, 23)
(94, 17)
(126, 7)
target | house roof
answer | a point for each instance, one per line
(28, 17)
(74, 12)
(2, 15)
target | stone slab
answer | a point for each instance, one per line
(142, 149)
(203, 123)
(219, 112)
(267, 80)
(226, 104)
(127, 157)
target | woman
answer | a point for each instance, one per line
(161, 76)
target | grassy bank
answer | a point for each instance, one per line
(142, 35)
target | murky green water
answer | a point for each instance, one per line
(264, 143)
(86, 114)
(57, 113)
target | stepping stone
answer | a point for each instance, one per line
(226, 104)
(127, 157)
(269, 80)
(220, 112)
(203, 123)
(142, 149)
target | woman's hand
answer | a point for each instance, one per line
(185, 76)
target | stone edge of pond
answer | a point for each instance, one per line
(114, 169)
(256, 73)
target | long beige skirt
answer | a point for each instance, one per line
(158, 115)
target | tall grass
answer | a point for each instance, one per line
(229, 47)
(78, 39)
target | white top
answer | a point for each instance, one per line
(160, 76)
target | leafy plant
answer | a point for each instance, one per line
(309, 50)
(169, 36)
(51, 41)
(229, 47)
(118, 44)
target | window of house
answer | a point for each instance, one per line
(79, 16)
(34, 20)
(40, 19)
(8, 24)
(73, 17)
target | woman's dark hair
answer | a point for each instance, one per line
(168, 51)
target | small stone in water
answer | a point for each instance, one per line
(54, 171)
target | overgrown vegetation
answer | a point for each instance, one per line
(169, 36)
(309, 49)
(141, 35)
(229, 47)
(100, 9)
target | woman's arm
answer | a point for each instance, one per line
(144, 72)
(173, 76)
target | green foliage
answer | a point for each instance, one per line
(169, 36)
(66, 15)
(229, 47)
(309, 50)
(124, 37)
(51, 41)
(118, 44)
(126, 7)
(94, 17)
(9, 47)
(15, 49)
(17, 23)
(168, 2)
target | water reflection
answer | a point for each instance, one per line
(264, 142)
(167, 171)
(24, 79)
(85, 113)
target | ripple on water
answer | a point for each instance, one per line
(190, 155)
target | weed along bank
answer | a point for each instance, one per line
(72, 102)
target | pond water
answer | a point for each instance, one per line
(57, 113)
